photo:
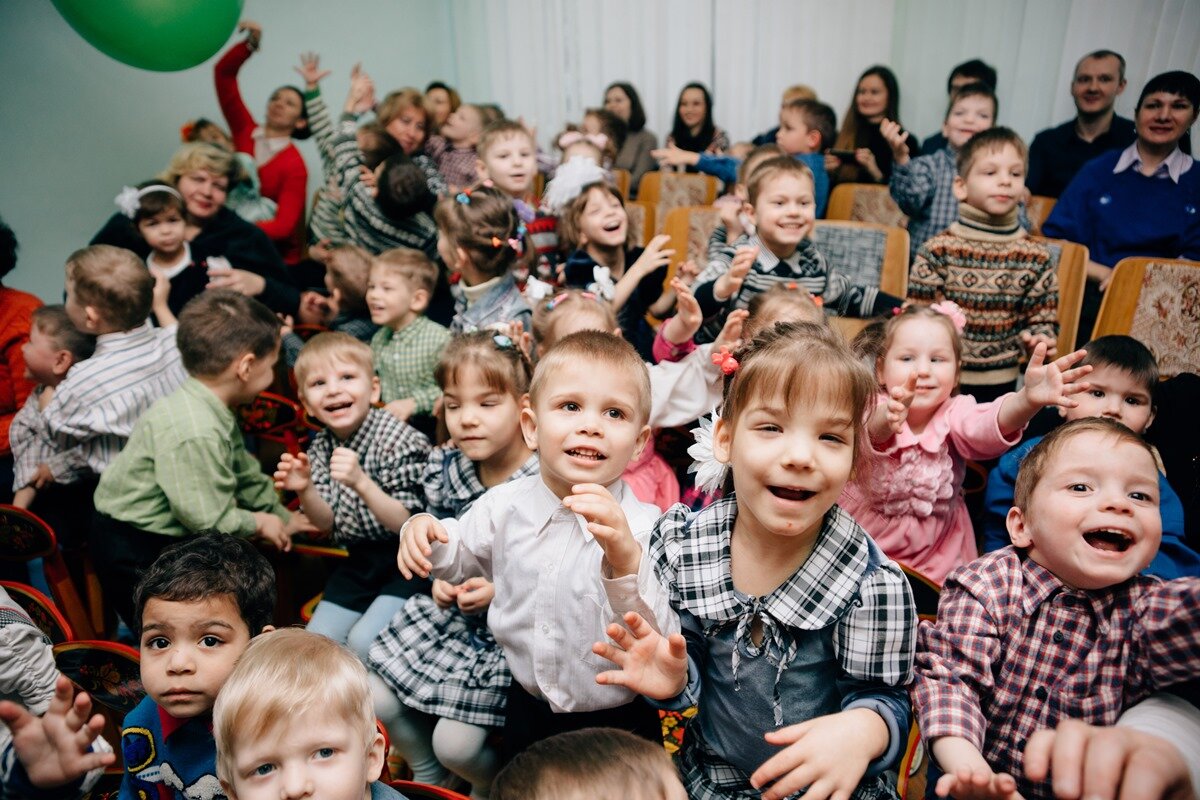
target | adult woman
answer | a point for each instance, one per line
(281, 170)
(621, 100)
(876, 98)
(1140, 201)
(201, 173)
(16, 308)
(693, 128)
(441, 100)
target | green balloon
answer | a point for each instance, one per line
(159, 35)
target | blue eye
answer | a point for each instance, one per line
(264, 769)
(325, 752)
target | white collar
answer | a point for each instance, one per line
(543, 505)
(1173, 166)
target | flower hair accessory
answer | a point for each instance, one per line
(537, 290)
(710, 473)
(503, 342)
(602, 283)
(725, 360)
(130, 198)
(951, 310)
(599, 140)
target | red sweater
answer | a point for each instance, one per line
(16, 309)
(284, 178)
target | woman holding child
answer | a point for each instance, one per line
(202, 173)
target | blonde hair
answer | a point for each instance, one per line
(569, 303)
(798, 91)
(773, 168)
(920, 312)
(201, 156)
(114, 281)
(348, 269)
(282, 675)
(332, 346)
(802, 363)
(498, 131)
(397, 102)
(416, 268)
(587, 764)
(569, 235)
(766, 306)
(595, 347)
(482, 227)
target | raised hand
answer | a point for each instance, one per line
(253, 33)
(900, 398)
(731, 333)
(1053, 384)
(1030, 341)
(606, 521)
(294, 473)
(827, 755)
(475, 594)
(345, 468)
(866, 160)
(415, 549)
(683, 326)
(654, 256)
(650, 664)
(54, 748)
(401, 409)
(310, 70)
(897, 139)
(729, 283)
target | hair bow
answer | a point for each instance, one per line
(602, 283)
(599, 140)
(725, 360)
(951, 310)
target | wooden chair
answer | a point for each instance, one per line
(41, 611)
(423, 791)
(108, 671)
(1072, 275)
(690, 228)
(926, 593)
(868, 254)
(1038, 210)
(668, 190)
(539, 184)
(641, 215)
(913, 768)
(865, 202)
(24, 536)
(1156, 301)
(275, 418)
(622, 178)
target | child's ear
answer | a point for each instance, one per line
(813, 140)
(748, 210)
(375, 758)
(420, 300)
(460, 259)
(722, 441)
(227, 787)
(481, 170)
(92, 319)
(1149, 422)
(643, 437)
(960, 188)
(529, 425)
(1018, 528)
(243, 366)
(267, 629)
(376, 389)
(63, 360)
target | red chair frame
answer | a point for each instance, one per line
(26, 536)
(44, 614)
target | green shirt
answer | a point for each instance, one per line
(185, 469)
(405, 360)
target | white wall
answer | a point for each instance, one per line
(77, 125)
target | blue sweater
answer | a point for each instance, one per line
(162, 752)
(725, 168)
(1128, 214)
(1174, 560)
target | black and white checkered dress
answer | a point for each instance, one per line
(442, 661)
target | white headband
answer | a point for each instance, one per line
(128, 199)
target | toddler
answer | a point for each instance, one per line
(452, 148)
(508, 160)
(913, 504)
(408, 344)
(344, 309)
(360, 481)
(1060, 625)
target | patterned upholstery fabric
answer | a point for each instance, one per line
(700, 228)
(876, 205)
(637, 222)
(854, 252)
(1167, 317)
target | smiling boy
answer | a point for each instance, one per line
(1060, 625)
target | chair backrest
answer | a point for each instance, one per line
(641, 215)
(41, 611)
(108, 671)
(690, 228)
(24, 535)
(1156, 301)
(539, 184)
(865, 202)
(1071, 260)
(621, 179)
(926, 593)
(668, 190)
(867, 253)
(1038, 210)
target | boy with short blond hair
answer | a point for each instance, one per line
(359, 481)
(295, 694)
(1060, 625)
(1005, 283)
(545, 541)
(186, 468)
(408, 344)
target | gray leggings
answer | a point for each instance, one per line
(435, 747)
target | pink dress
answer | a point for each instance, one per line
(651, 478)
(913, 506)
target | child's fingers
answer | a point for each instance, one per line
(789, 767)
(1065, 362)
(677, 647)
(1072, 375)
(606, 651)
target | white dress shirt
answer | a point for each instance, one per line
(683, 391)
(552, 603)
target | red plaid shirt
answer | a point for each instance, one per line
(1014, 650)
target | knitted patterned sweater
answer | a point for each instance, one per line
(1005, 284)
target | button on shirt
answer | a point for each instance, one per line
(552, 602)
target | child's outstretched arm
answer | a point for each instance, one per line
(454, 549)
(967, 776)
(674, 339)
(392, 512)
(649, 663)
(1045, 385)
(56, 749)
(416, 537)
(889, 417)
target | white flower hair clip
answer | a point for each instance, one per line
(127, 201)
(537, 290)
(710, 473)
(602, 283)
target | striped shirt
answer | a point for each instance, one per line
(95, 408)
(31, 446)
(405, 360)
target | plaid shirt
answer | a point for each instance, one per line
(452, 483)
(1014, 650)
(392, 453)
(405, 361)
(456, 164)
